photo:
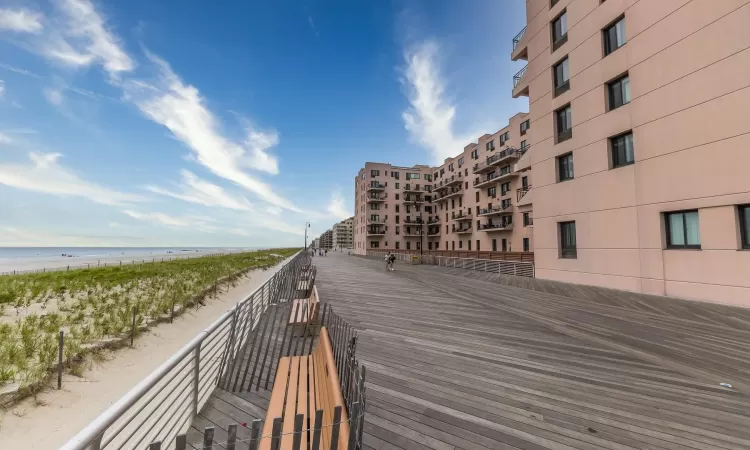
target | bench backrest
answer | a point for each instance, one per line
(328, 391)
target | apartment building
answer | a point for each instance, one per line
(475, 201)
(326, 240)
(343, 237)
(639, 137)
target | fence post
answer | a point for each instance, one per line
(232, 438)
(208, 438)
(60, 343)
(196, 377)
(515, 266)
(132, 329)
(354, 426)
(255, 434)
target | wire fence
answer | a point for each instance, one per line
(502, 267)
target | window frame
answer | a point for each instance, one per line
(611, 105)
(564, 36)
(668, 230)
(606, 37)
(566, 251)
(562, 136)
(744, 227)
(614, 163)
(570, 166)
(524, 127)
(563, 87)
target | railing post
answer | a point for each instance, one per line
(196, 378)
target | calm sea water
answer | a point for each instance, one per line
(83, 252)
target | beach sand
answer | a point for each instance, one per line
(64, 413)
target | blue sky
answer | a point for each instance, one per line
(186, 122)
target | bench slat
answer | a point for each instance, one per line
(302, 396)
(276, 404)
(291, 404)
(333, 386)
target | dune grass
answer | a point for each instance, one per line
(95, 305)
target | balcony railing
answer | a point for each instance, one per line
(461, 216)
(377, 198)
(435, 232)
(376, 221)
(520, 192)
(375, 232)
(497, 157)
(374, 187)
(409, 221)
(528, 221)
(517, 77)
(496, 226)
(485, 179)
(433, 220)
(463, 230)
(411, 188)
(518, 38)
(495, 210)
(413, 199)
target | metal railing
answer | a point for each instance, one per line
(520, 192)
(518, 38)
(164, 404)
(494, 209)
(517, 77)
(502, 267)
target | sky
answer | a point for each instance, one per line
(232, 123)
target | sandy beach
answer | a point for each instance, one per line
(48, 421)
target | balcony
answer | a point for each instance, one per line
(376, 187)
(410, 221)
(411, 188)
(496, 210)
(486, 180)
(377, 221)
(413, 199)
(463, 230)
(376, 232)
(461, 216)
(377, 198)
(433, 220)
(505, 174)
(520, 83)
(490, 227)
(414, 232)
(520, 192)
(497, 159)
(519, 47)
(433, 231)
(451, 193)
(528, 221)
(450, 181)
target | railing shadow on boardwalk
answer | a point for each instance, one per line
(163, 405)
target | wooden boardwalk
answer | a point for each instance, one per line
(459, 359)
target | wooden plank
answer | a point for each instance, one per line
(303, 397)
(278, 394)
(290, 409)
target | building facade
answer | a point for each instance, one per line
(343, 234)
(475, 201)
(639, 144)
(326, 240)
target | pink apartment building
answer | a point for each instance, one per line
(474, 201)
(640, 144)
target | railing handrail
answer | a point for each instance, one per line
(517, 77)
(518, 37)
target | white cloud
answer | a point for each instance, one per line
(165, 219)
(115, 224)
(20, 237)
(5, 139)
(336, 206)
(180, 108)
(45, 175)
(430, 118)
(54, 96)
(195, 190)
(21, 20)
(85, 39)
(2, 88)
(18, 70)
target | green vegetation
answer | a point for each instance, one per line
(95, 306)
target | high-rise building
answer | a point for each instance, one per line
(326, 240)
(639, 143)
(343, 237)
(474, 201)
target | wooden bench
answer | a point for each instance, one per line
(305, 310)
(303, 385)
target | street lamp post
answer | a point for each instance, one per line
(307, 225)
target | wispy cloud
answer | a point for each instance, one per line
(20, 20)
(195, 190)
(2, 88)
(18, 70)
(180, 108)
(430, 119)
(85, 39)
(311, 22)
(24, 237)
(197, 222)
(5, 139)
(44, 174)
(337, 206)
(54, 96)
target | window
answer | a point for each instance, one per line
(398, 219)
(460, 161)
(526, 244)
(428, 177)
(505, 137)
(488, 146)
(682, 229)
(568, 240)
(460, 202)
(408, 245)
(559, 30)
(494, 245)
(397, 245)
(469, 244)
(614, 36)
(565, 167)
(453, 245)
(374, 173)
(478, 247)
(397, 185)
(505, 188)
(442, 172)
(396, 208)
(396, 196)
(552, 3)
(478, 223)
(450, 167)
(460, 244)
(408, 209)
(412, 176)
(562, 76)
(525, 125)
(564, 119)
(745, 225)
(621, 148)
(619, 92)
(523, 146)
(475, 154)
(526, 220)
(374, 206)
(492, 191)
(397, 230)
(374, 244)
(396, 175)
(504, 204)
